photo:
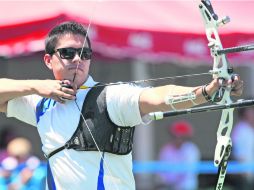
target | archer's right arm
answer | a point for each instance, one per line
(10, 89)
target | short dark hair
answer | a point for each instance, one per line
(70, 27)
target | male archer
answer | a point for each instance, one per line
(87, 134)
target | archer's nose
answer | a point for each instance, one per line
(76, 58)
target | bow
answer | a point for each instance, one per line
(222, 71)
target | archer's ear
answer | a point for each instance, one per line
(47, 61)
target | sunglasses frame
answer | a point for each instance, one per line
(86, 52)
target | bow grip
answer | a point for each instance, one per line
(217, 97)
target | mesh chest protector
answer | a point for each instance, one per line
(108, 136)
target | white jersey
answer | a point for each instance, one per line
(81, 170)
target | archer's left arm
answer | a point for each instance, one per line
(153, 99)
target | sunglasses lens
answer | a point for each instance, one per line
(86, 54)
(67, 53)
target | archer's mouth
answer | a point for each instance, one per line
(76, 68)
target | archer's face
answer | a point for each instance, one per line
(66, 68)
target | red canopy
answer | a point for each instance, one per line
(160, 30)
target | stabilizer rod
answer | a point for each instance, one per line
(238, 104)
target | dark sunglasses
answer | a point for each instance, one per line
(70, 53)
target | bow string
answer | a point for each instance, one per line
(106, 164)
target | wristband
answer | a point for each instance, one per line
(205, 94)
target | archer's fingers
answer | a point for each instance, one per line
(66, 94)
(237, 84)
(236, 93)
(58, 99)
(68, 91)
(237, 88)
(68, 84)
(234, 79)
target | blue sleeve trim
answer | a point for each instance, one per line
(50, 180)
(100, 183)
(42, 106)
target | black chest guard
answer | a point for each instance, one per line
(108, 136)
